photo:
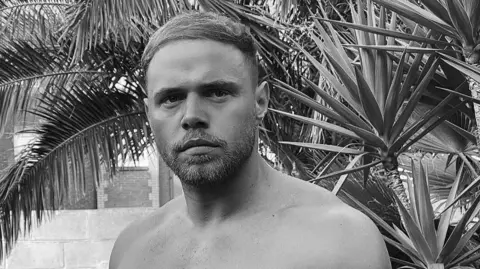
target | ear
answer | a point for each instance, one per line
(262, 96)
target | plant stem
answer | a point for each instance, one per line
(475, 90)
(394, 182)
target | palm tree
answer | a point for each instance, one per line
(380, 82)
(456, 21)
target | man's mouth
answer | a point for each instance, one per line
(198, 143)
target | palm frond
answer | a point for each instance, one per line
(26, 20)
(87, 126)
(89, 23)
(31, 69)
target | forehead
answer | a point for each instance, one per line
(187, 63)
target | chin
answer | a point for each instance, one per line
(202, 175)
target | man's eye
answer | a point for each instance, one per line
(218, 93)
(168, 100)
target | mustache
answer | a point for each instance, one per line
(178, 146)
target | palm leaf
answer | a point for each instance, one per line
(419, 15)
(30, 70)
(460, 20)
(27, 20)
(89, 23)
(87, 126)
(385, 32)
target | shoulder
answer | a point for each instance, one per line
(353, 239)
(134, 231)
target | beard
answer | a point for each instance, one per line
(208, 170)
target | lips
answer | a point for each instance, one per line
(198, 143)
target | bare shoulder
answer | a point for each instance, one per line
(353, 240)
(137, 228)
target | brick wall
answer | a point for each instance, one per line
(130, 187)
(73, 239)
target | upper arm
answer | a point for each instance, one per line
(360, 240)
(119, 248)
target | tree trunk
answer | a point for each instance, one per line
(390, 165)
(475, 90)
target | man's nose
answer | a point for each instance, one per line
(194, 116)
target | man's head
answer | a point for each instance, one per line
(204, 26)
(204, 102)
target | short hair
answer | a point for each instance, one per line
(195, 25)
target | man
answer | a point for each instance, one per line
(205, 106)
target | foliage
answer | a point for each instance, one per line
(425, 245)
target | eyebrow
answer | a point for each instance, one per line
(217, 84)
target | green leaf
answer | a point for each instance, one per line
(390, 110)
(323, 147)
(463, 242)
(396, 34)
(473, 9)
(438, 9)
(394, 48)
(464, 260)
(418, 15)
(466, 69)
(424, 207)
(432, 126)
(368, 137)
(415, 234)
(461, 22)
(412, 102)
(342, 178)
(466, 134)
(455, 237)
(338, 107)
(364, 38)
(473, 100)
(447, 215)
(422, 122)
(347, 171)
(333, 48)
(319, 123)
(308, 101)
(367, 98)
(413, 200)
(410, 79)
(404, 250)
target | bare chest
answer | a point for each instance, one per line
(247, 246)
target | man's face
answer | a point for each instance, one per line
(202, 109)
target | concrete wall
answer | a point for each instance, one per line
(73, 239)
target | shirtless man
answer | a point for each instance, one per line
(236, 212)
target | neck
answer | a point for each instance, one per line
(208, 205)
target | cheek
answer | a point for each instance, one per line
(162, 130)
(237, 123)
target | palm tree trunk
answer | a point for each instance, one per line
(475, 90)
(390, 165)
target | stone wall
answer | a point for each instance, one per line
(73, 239)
